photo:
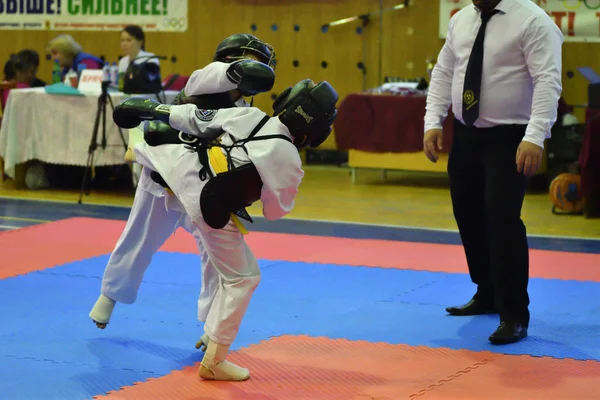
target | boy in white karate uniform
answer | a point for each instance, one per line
(243, 156)
(156, 214)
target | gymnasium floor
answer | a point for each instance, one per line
(350, 307)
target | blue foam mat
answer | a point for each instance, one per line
(31, 379)
(546, 295)
(45, 317)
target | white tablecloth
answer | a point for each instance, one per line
(58, 129)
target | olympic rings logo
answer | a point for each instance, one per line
(174, 23)
(575, 4)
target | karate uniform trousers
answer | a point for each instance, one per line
(154, 217)
(225, 250)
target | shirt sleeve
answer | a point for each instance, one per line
(439, 95)
(210, 79)
(280, 168)
(542, 48)
(123, 64)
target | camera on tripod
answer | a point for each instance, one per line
(108, 80)
(142, 77)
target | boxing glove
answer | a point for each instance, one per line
(131, 112)
(208, 101)
(252, 77)
(157, 133)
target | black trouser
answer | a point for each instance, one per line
(487, 196)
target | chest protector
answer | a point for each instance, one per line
(232, 189)
(229, 190)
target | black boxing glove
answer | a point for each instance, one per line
(131, 112)
(157, 133)
(208, 101)
(252, 77)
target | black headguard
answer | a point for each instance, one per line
(308, 111)
(240, 45)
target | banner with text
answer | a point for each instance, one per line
(579, 20)
(94, 15)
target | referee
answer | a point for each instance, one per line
(500, 70)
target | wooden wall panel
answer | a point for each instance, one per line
(397, 45)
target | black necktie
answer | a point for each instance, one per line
(472, 88)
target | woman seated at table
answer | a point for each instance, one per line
(70, 55)
(19, 72)
(133, 43)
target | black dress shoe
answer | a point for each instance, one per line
(509, 332)
(473, 307)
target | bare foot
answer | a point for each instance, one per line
(100, 325)
(202, 343)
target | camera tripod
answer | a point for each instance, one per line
(103, 100)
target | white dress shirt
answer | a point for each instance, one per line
(276, 160)
(125, 61)
(522, 65)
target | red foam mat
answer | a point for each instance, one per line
(308, 368)
(52, 244)
(49, 245)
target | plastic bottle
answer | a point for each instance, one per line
(56, 72)
(106, 72)
(114, 74)
(121, 83)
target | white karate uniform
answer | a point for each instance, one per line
(156, 214)
(280, 168)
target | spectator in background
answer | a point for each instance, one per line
(69, 54)
(31, 57)
(16, 70)
(133, 43)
